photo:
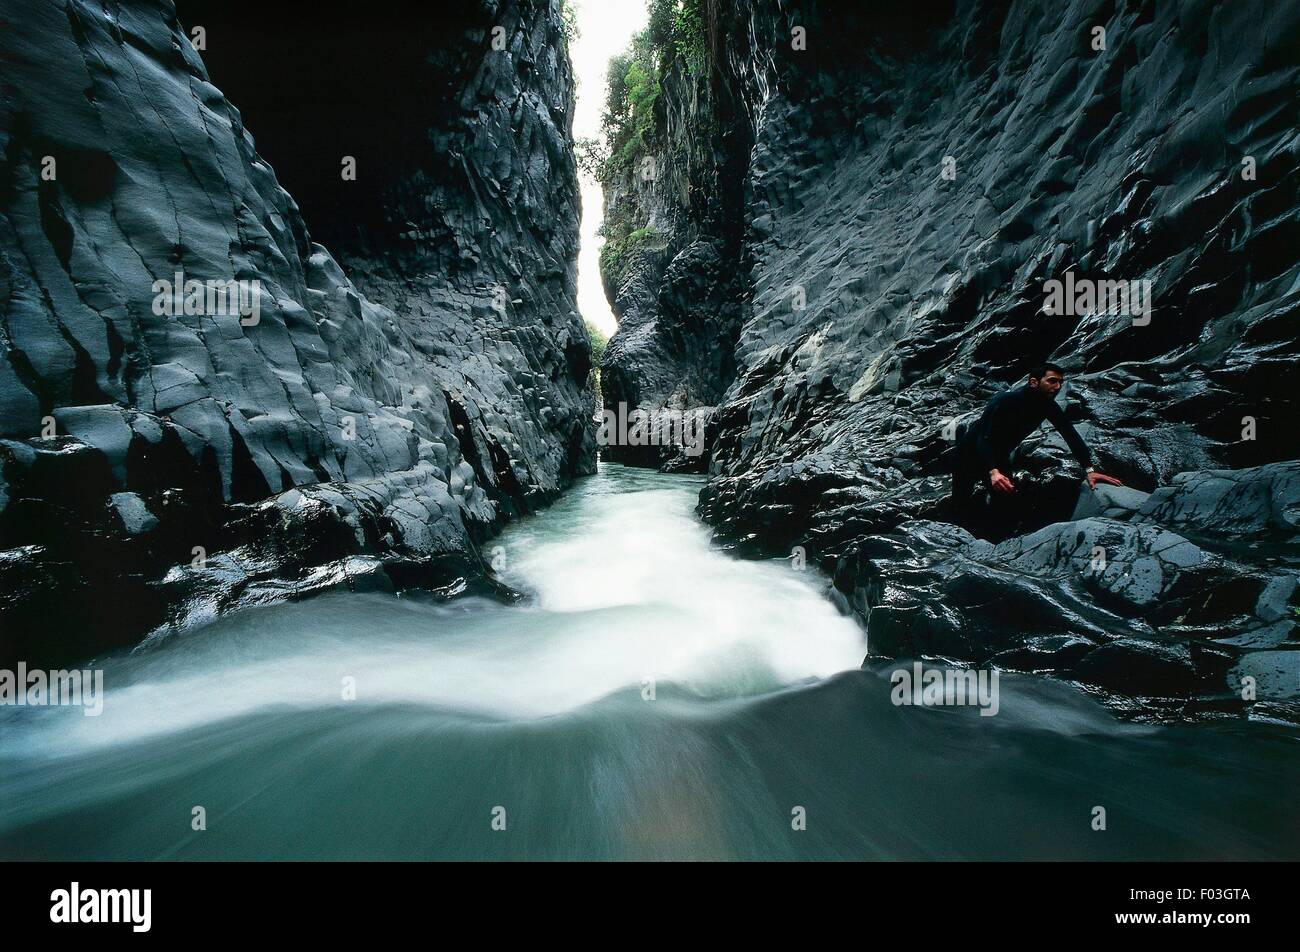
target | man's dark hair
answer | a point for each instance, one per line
(1038, 371)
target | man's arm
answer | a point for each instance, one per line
(980, 435)
(985, 451)
(983, 448)
(1056, 416)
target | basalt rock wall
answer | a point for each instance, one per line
(912, 179)
(675, 285)
(400, 389)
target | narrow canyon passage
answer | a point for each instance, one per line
(652, 698)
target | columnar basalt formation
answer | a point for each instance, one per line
(392, 399)
(912, 180)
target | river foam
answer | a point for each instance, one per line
(654, 699)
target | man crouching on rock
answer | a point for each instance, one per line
(983, 451)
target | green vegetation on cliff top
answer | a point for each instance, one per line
(634, 82)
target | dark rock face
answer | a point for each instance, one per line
(375, 422)
(1117, 601)
(678, 293)
(912, 182)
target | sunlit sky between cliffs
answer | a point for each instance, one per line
(606, 27)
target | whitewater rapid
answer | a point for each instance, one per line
(652, 697)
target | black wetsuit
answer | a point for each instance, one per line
(1009, 417)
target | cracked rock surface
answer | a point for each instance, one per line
(871, 300)
(1116, 602)
(391, 405)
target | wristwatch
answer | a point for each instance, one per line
(1090, 469)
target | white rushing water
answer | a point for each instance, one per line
(653, 698)
(628, 594)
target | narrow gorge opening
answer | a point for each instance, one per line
(943, 430)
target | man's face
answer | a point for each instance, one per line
(1050, 384)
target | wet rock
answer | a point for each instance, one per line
(402, 388)
(1134, 567)
(1131, 609)
(135, 515)
(1260, 504)
(1112, 502)
(911, 182)
(1129, 666)
(1276, 674)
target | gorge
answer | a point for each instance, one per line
(838, 231)
(364, 571)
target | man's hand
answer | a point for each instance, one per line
(999, 483)
(1095, 477)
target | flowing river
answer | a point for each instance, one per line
(655, 699)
